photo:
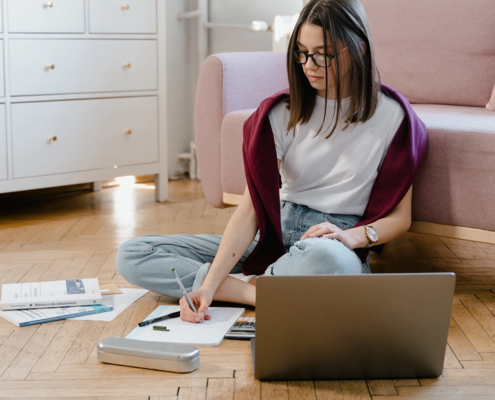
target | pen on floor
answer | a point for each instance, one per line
(184, 292)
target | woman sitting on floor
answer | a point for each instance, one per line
(348, 150)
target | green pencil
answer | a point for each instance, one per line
(160, 328)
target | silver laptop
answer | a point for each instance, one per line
(379, 326)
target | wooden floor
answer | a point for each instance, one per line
(76, 235)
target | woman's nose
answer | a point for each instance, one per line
(310, 64)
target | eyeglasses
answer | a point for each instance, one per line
(320, 59)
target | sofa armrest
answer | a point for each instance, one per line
(230, 82)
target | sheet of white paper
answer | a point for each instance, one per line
(209, 332)
(119, 302)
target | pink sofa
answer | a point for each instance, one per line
(439, 54)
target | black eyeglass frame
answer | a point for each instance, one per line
(330, 57)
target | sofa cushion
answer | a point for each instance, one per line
(456, 184)
(233, 178)
(435, 52)
(229, 82)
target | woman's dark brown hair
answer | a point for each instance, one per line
(343, 20)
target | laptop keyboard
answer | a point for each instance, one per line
(243, 329)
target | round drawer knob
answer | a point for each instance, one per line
(126, 7)
(50, 67)
(129, 132)
(53, 138)
(128, 65)
(49, 4)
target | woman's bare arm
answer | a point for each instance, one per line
(238, 235)
(388, 228)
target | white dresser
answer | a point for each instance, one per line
(82, 92)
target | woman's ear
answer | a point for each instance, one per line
(363, 48)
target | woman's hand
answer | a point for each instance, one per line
(330, 231)
(201, 299)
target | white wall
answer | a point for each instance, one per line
(182, 64)
(243, 12)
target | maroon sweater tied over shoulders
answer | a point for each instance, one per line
(399, 168)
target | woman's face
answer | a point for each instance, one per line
(310, 40)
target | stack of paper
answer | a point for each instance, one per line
(119, 302)
(210, 333)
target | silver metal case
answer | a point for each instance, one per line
(152, 355)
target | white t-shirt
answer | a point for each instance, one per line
(333, 175)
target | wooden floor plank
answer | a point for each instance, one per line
(75, 266)
(59, 346)
(405, 382)
(36, 272)
(435, 397)
(67, 393)
(31, 352)
(105, 371)
(472, 329)
(381, 387)
(94, 265)
(277, 390)
(79, 227)
(13, 346)
(451, 360)
(220, 389)
(61, 230)
(56, 269)
(355, 390)
(163, 398)
(481, 314)
(246, 386)
(16, 274)
(301, 390)
(459, 343)
(22, 239)
(192, 393)
(143, 397)
(5, 333)
(84, 343)
(447, 390)
(107, 270)
(328, 390)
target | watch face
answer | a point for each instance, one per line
(373, 235)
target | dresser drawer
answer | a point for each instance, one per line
(43, 16)
(3, 144)
(122, 16)
(68, 136)
(2, 76)
(82, 66)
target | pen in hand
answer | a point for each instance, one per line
(183, 289)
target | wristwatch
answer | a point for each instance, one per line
(371, 234)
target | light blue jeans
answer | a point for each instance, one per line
(147, 261)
